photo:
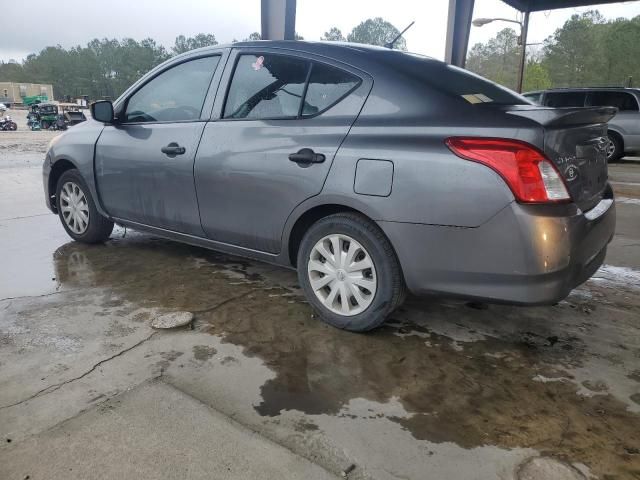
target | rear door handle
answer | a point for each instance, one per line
(306, 156)
(173, 149)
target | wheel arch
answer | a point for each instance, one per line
(57, 169)
(616, 132)
(316, 210)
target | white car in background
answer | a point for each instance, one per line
(3, 107)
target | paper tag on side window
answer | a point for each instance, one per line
(257, 65)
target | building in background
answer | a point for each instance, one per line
(18, 93)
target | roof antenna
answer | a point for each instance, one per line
(392, 42)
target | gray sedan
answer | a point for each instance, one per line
(373, 172)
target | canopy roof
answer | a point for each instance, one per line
(537, 5)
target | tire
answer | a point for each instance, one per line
(615, 150)
(96, 228)
(13, 126)
(384, 278)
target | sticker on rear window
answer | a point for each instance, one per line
(477, 98)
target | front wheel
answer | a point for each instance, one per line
(77, 210)
(349, 272)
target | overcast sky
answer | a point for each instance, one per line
(75, 22)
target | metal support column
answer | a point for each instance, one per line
(523, 52)
(278, 19)
(458, 26)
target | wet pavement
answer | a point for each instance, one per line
(443, 390)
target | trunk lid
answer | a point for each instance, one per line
(575, 140)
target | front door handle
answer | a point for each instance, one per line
(173, 149)
(306, 156)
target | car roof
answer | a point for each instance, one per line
(341, 51)
(305, 45)
(588, 89)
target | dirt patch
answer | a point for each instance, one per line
(480, 394)
(203, 352)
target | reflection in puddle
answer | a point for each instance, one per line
(473, 393)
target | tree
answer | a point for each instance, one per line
(184, 44)
(587, 50)
(334, 35)
(253, 37)
(498, 59)
(574, 53)
(376, 31)
(536, 77)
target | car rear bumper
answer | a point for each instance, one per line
(525, 254)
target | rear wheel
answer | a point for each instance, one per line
(349, 272)
(614, 147)
(77, 210)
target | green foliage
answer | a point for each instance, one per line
(497, 59)
(536, 77)
(102, 68)
(184, 44)
(333, 35)
(376, 31)
(253, 37)
(587, 50)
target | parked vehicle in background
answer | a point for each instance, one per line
(72, 114)
(3, 108)
(7, 123)
(46, 114)
(624, 127)
(371, 171)
(34, 100)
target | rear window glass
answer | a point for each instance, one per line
(454, 81)
(534, 97)
(565, 99)
(621, 100)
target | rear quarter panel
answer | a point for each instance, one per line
(407, 123)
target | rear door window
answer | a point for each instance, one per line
(565, 99)
(622, 100)
(266, 86)
(282, 87)
(327, 86)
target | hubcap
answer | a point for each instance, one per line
(74, 207)
(611, 147)
(342, 275)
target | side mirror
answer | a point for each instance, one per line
(102, 111)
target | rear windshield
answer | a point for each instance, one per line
(456, 81)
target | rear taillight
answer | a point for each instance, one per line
(528, 172)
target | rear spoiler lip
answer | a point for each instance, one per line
(563, 117)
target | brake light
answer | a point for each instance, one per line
(527, 171)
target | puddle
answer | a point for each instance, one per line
(473, 390)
